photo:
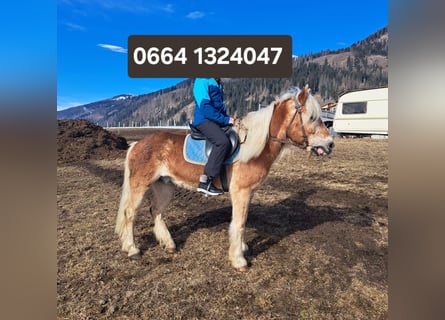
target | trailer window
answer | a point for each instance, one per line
(354, 107)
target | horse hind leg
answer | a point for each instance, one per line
(132, 194)
(130, 201)
(162, 193)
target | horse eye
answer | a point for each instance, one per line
(313, 117)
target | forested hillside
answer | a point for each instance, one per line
(363, 65)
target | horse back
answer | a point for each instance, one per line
(160, 154)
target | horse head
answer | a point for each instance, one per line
(300, 122)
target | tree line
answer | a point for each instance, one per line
(327, 80)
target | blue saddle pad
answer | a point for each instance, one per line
(194, 152)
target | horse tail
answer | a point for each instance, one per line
(125, 196)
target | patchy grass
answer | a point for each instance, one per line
(317, 232)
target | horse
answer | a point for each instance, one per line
(156, 162)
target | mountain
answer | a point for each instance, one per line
(364, 65)
(130, 109)
(99, 110)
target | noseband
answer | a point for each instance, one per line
(287, 140)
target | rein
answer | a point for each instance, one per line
(287, 140)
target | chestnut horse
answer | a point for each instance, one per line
(156, 162)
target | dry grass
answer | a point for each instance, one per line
(317, 232)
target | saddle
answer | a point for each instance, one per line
(197, 149)
(230, 133)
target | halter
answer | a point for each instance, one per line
(287, 140)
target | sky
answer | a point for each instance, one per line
(92, 35)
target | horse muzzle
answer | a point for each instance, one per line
(322, 150)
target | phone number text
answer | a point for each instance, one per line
(207, 55)
(239, 56)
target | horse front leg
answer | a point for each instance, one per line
(240, 208)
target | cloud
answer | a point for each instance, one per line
(113, 48)
(132, 6)
(75, 27)
(168, 8)
(139, 7)
(196, 15)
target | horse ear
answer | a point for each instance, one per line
(276, 103)
(302, 96)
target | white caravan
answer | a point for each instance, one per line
(362, 112)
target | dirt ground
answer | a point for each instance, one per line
(317, 232)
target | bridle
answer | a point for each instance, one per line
(287, 140)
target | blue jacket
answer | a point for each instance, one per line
(209, 104)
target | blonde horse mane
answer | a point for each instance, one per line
(253, 129)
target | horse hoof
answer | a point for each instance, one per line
(242, 269)
(136, 256)
(171, 250)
